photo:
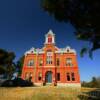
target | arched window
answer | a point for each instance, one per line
(31, 63)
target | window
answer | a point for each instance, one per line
(57, 62)
(26, 76)
(73, 76)
(40, 76)
(30, 74)
(67, 50)
(30, 77)
(49, 40)
(68, 76)
(58, 76)
(40, 62)
(49, 57)
(69, 62)
(31, 63)
(49, 60)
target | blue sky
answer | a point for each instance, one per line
(23, 24)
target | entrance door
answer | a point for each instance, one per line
(48, 77)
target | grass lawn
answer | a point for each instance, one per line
(40, 93)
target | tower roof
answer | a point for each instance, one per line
(50, 32)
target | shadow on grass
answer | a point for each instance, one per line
(17, 82)
(91, 95)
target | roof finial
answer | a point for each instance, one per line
(50, 32)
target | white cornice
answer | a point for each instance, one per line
(60, 50)
(34, 51)
(66, 50)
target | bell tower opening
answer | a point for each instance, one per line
(50, 38)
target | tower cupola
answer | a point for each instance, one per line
(50, 38)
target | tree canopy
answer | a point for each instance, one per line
(94, 83)
(6, 62)
(19, 64)
(84, 15)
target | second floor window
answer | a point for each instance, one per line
(31, 63)
(40, 62)
(49, 57)
(69, 62)
(57, 62)
(49, 60)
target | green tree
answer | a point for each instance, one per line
(84, 15)
(98, 80)
(6, 62)
(20, 64)
(94, 82)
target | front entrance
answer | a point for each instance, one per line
(48, 77)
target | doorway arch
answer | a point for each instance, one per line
(48, 77)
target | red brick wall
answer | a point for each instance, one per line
(62, 68)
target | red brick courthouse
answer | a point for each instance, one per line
(51, 65)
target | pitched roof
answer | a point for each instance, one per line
(50, 32)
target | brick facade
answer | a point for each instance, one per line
(51, 64)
